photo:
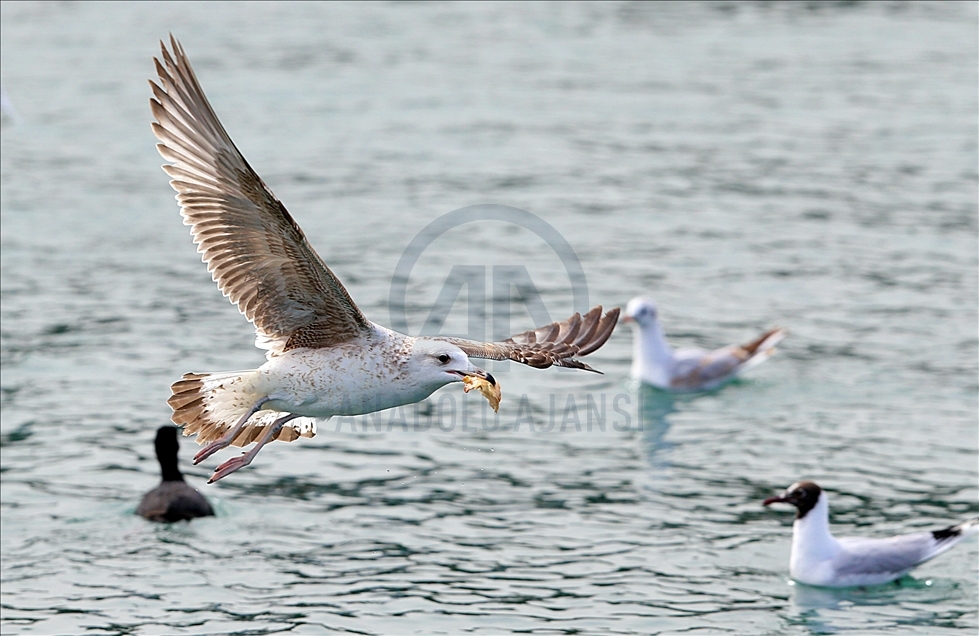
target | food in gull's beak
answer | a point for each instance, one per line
(490, 390)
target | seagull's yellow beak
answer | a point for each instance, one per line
(479, 373)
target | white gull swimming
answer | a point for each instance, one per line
(324, 357)
(654, 362)
(818, 558)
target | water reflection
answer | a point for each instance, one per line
(806, 597)
(654, 407)
(822, 610)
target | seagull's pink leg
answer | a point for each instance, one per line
(244, 459)
(229, 437)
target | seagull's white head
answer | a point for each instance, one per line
(804, 495)
(642, 311)
(436, 362)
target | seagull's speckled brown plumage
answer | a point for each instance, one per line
(325, 357)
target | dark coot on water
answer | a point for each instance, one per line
(173, 499)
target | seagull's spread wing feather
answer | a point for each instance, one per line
(555, 344)
(253, 248)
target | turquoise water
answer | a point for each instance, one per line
(809, 166)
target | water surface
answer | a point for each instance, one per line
(812, 166)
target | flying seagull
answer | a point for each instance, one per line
(324, 357)
(818, 558)
(655, 362)
(174, 499)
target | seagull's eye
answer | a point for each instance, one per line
(444, 358)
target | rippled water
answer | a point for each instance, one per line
(812, 166)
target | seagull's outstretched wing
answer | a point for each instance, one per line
(253, 248)
(556, 344)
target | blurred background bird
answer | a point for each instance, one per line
(174, 499)
(656, 363)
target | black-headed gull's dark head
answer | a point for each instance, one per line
(804, 495)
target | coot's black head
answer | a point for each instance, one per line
(166, 452)
(804, 495)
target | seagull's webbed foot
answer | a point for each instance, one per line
(231, 466)
(229, 437)
(244, 459)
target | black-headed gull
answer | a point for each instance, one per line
(324, 357)
(818, 558)
(174, 499)
(655, 362)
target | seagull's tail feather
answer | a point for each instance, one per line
(947, 537)
(969, 527)
(766, 341)
(759, 349)
(955, 533)
(209, 404)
